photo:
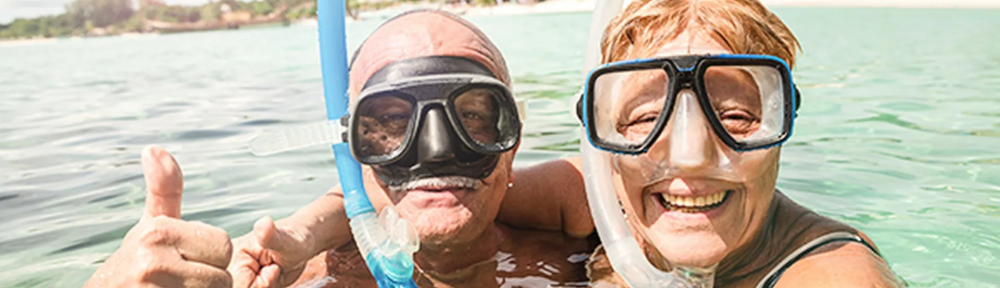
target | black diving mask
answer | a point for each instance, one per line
(433, 116)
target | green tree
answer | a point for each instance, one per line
(101, 12)
(261, 8)
(210, 12)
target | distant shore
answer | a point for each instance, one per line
(564, 6)
(568, 6)
(885, 3)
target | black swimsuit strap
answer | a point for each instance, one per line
(772, 278)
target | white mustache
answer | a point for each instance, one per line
(459, 182)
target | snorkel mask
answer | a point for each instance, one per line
(747, 101)
(631, 106)
(433, 116)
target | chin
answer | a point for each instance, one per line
(440, 225)
(699, 249)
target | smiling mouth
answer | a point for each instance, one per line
(688, 204)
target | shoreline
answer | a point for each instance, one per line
(571, 6)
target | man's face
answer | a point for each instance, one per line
(444, 209)
(705, 171)
(448, 209)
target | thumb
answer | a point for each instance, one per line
(277, 240)
(164, 183)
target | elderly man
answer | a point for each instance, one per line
(447, 175)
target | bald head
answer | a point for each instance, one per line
(420, 34)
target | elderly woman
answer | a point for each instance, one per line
(692, 107)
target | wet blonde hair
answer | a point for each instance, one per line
(742, 26)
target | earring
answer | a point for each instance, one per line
(511, 184)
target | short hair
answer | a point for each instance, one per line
(742, 26)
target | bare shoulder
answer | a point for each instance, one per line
(839, 264)
(548, 196)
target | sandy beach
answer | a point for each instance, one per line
(25, 42)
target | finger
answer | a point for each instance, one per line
(164, 183)
(268, 277)
(196, 241)
(201, 275)
(162, 266)
(244, 265)
(206, 244)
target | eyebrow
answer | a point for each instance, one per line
(743, 78)
(645, 97)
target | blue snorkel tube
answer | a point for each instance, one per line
(387, 242)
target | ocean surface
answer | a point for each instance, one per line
(898, 135)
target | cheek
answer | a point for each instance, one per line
(378, 195)
(630, 196)
(491, 194)
(760, 176)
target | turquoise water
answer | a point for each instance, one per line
(897, 136)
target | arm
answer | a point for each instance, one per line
(549, 196)
(324, 218)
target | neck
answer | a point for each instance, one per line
(461, 263)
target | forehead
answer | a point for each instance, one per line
(419, 35)
(690, 44)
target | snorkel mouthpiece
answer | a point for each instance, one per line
(387, 244)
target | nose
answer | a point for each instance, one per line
(436, 141)
(688, 143)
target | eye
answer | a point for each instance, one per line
(739, 122)
(472, 116)
(638, 128)
(644, 119)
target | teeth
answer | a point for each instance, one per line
(694, 202)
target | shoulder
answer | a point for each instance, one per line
(549, 196)
(835, 264)
(839, 264)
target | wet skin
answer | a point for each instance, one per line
(524, 257)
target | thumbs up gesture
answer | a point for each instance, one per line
(162, 250)
(270, 255)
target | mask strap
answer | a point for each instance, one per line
(522, 110)
(326, 132)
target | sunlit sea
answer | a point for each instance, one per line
(898, 135)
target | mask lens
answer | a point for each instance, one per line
(627, 105)
(478, 112)
(382, 124)
(748, 101)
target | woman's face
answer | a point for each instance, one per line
(690, 196)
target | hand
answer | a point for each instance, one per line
(161, 250)
(270, 256)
